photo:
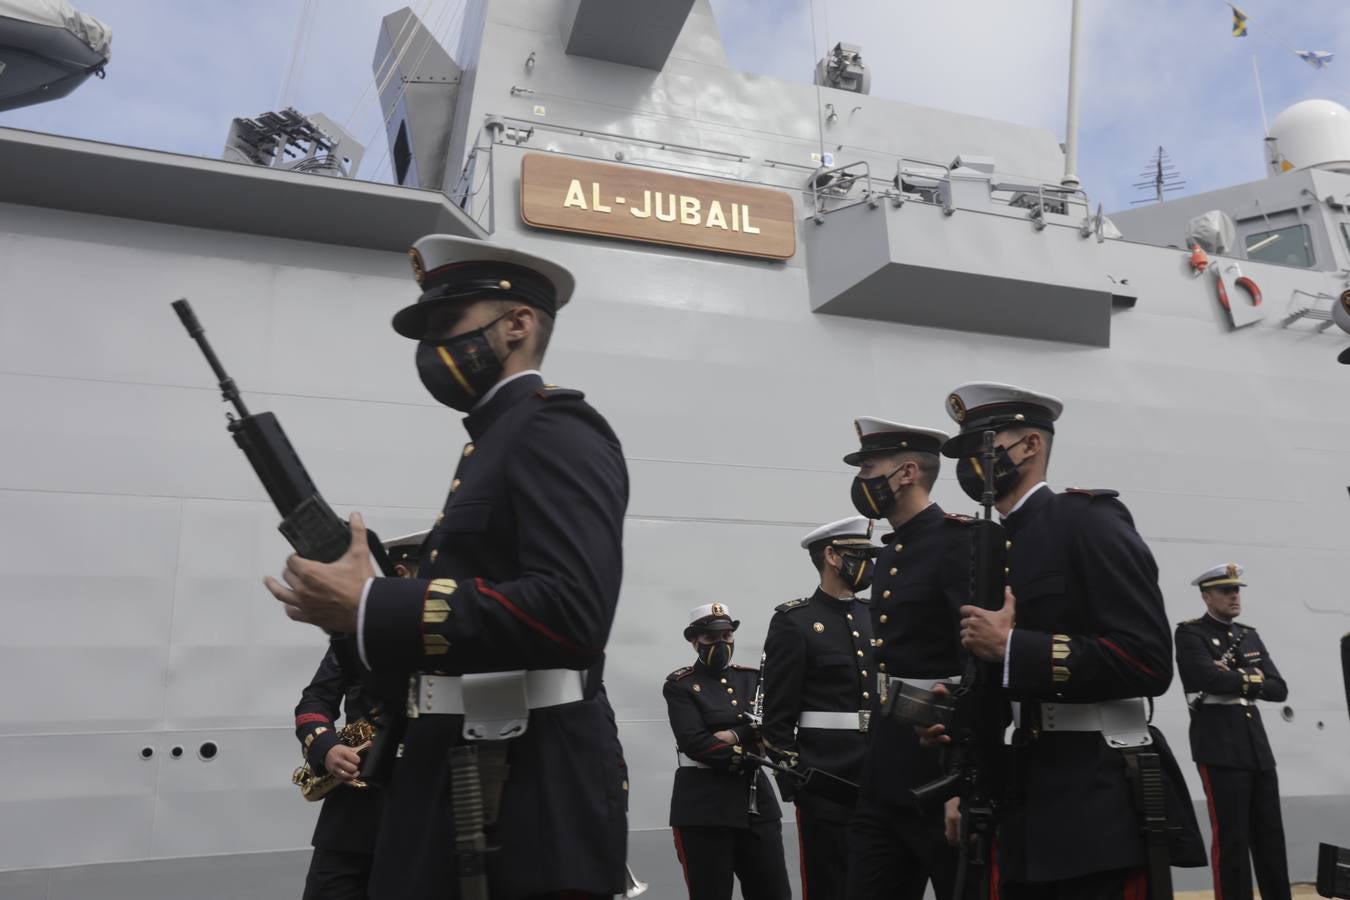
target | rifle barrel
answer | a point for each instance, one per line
(228, 390)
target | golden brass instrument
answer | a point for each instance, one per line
(356, 734)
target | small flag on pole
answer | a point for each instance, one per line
(1318, 59)
(1239, 22)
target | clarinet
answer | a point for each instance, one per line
(757, 714)
(1228, 658)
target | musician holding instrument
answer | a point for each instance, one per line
(818, 681)
(1225, 670)
(344, 836)
(718, 838)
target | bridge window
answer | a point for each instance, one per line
(1289, 246)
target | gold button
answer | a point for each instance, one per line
(1007, 545)
(855, 634)
(734, 703)
(899, 547)
(454, 485)
(468, 450)
(724, 681)
(864, 674)
(885, 595)
(860, 653)
(894, 570)
(434, 554)
(731, 690)
(698, 688)
(439, 518)
(884, 618)
(878, 642)
(818, 627)
(881, 667)
(849, 616)
(866, 696)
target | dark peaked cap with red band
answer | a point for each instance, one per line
(451, 269)
(982, 406)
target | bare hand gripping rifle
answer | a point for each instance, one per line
(307, 521)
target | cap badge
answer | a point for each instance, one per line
(957, 407)
(504, 285)
(1232, 570)
(419, 268)
(818, 627)
(718, 609)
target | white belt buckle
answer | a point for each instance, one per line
(864, 719)
(496, 706)
(1125, 724)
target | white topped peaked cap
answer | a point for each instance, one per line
(710, 617)
(451, 268)
(408, 540)
(853, 530)
(1227, 573)
(882, 436)
(980, 406)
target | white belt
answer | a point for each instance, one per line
(838, 721)
(687, 762)
(1123, 723)
(443, 695)
(1222, 700)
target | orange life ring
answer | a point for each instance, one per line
(1246, 284)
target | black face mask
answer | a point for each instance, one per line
(459, 370)
(716, 656)
(970, 474)
(857, 571)
(873, 497)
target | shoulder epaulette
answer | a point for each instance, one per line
(960, 519)
(1092, 492)
(679, 673)
(1195, 621)
(792, 604)
(744, 668)
(553, 392)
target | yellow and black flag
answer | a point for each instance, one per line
(1239, 22)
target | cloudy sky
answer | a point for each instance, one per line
(1153, 71)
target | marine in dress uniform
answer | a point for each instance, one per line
(1225, 669)
(922, 579)
(498, 644)
(1088, 644)
(717, 838)
(344, 836)
(818, 677)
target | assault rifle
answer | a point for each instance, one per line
(973, 713)
(307, 521)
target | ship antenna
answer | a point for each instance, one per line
(1160, 177)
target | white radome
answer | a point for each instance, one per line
(1313, 133)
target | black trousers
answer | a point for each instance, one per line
(335, 875)
(894, 852)
(1244, 813)
(1117, 884)
(823, 847)
(711, 857)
